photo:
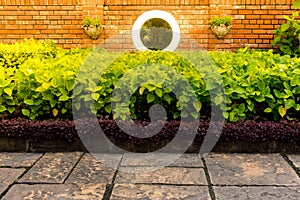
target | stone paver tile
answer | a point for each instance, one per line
(257, 193)
(167, 175)
(161, 159)
(92, 169)
(56, 191)
(295, 160)
(18, 159)
(52, 168)
(9, 176)
(158, 192)
(250, 169)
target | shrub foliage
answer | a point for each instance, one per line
(42, 86)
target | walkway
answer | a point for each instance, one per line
(78, 175)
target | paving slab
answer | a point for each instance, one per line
(257, 193)
(92, 169)
(52, 168)
(295, 159)
(159, 159)
(18, 159)
(166, 175)
(159, 192)
(56, 191)
(250, 169)
(9, 176)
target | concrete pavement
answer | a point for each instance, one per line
(77, 175)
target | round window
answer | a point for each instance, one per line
(156, 30)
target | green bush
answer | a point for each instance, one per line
(287, 36)
(260, 84)
(13, 55)
(37, 84)
(257, 84)
(152, 64)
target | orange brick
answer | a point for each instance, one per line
(259, 31)
(47, 31)
(266, 26)
(252, 16)
(12, 27)
(244, 31)
(40, 27)
(46, 12)
(246, 12)
(252, 26)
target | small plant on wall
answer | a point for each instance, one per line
(92, 27)
(220, 26)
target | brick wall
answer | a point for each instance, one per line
(60, 20)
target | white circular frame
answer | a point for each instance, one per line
(137, 26)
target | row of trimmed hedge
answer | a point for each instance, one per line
(256, 83)
(249, 131)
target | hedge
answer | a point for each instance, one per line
(248, 131)
(256, 83)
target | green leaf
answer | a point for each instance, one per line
(268, 110)
(8, 91)
(226, 115)
(26, 112)
(278, 94)
(63, 91)
(150, 87)
(95, 96)
(11, 109)
(290, 103)
(2, 108)
(150, 98)
(233, 116)
(158, 92)
(297, 5)
(40, 89)
(28, 102)
(284, 27)
(108, 108)
(70, 85)
(46, 85)
(250, 106)
(63, 98)
(53, 103)
(63, 111)
(167, 98)
(77, 90)
(241, 108)
(259, 98)
(197, 105)
(218, 100)
(77, 105)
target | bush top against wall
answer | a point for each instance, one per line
(287, 35)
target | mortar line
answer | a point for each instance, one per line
(290, 163)
(71, 171)
(109, 187)
(210, 185)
